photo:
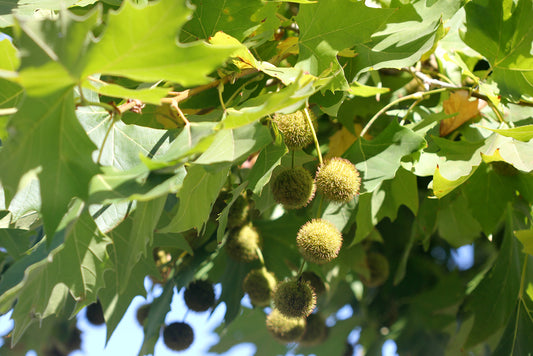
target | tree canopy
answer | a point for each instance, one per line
(311, 154)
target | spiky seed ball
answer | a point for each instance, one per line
(315, 332)
(199, 295)
(95, 314)
(379, 269)
(242, 244)
(294, 298)
(296, 132)
(142, 313)
(319, 241)
(178, 336)
(238, 213)
(259, 284)
(315, 281)
(283, 328)
(338, 180)
(294, 188)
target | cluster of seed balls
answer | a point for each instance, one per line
(319, 241)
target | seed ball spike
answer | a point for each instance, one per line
(242, 244)
(338, 180)
(319, 241)
(315, 332)
(199, 295)
(283, 328)
(294, 298)
(294, 188)
(178, 336)
(296, 132)
(379, 269)
(259, 284)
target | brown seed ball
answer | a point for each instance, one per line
(338, 180)
(315, 281)
(379, 269)
(294, 298)
(295, 129)
(259, 284)
(283, 328)
(242, 244)
(294, 188)
(142, 313)
(319, 241)
(199, 295)
(95, 314)
(315, 332)
(178, 336)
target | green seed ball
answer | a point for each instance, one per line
(379, 269)
(295, 129)
(95, 314)
(142, 313)
(338, 180)
(315, 332)
(283, 328)
(315, 281)
(259, 284)
(294, 188)
(319, 241)
(199, 295)
(242, 244)
(178, 336)
(294, 298)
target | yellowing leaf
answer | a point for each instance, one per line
(245, 59)
(458, 103)
(526, 238)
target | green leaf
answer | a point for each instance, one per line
(46, 287)
(232, 291)
(196, 197)
(526, 238)
(49, 137)
(384, 202)
(501, 31)
(379, 159)
(15, 241)
(518, 154)
(321, 39)
(521, 133)
(494, 299)
(8, 56)
(236, 145)
(237, 18)
(137, 183)
(267, 161)
(516, 338)
(149, 51)
(224, 214)
(488, 194)
(289, 99)
(455, 222)
(410, 32)
(146, 95)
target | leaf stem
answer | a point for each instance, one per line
(315, 139)
(417, 96)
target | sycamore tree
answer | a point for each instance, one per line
(309, 154)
